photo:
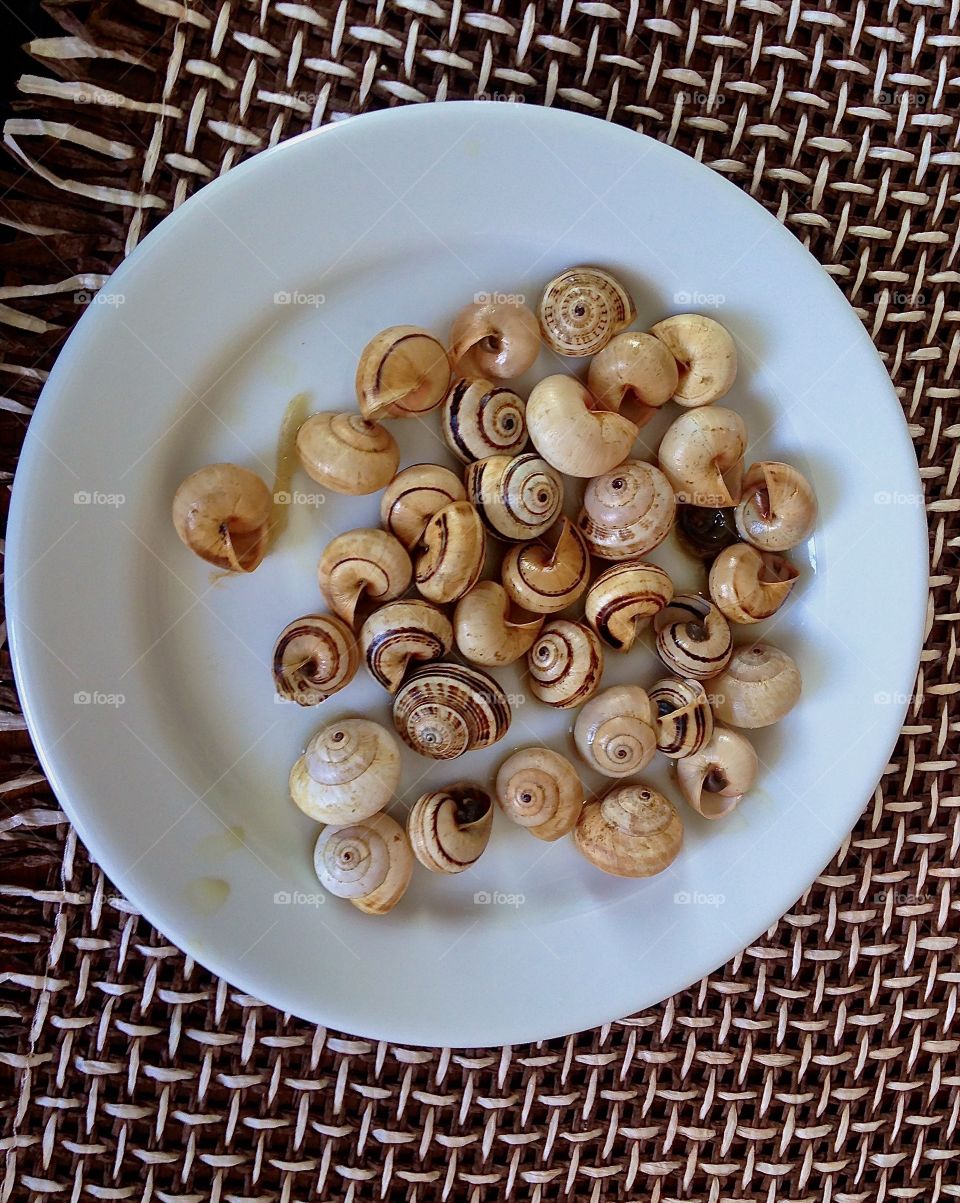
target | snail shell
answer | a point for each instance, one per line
(748, 585)
(615, 732)
(346, 453)
(565, 664)
(701, 455)
(399, 633)
(402, 371)
(778, 508)
(693, 638)
(480, 419)
(412, 498)
(485, 634)
(632, 831)
(582, 309)
(573, 432)
(634, 373)
(222, 513)
(369, 862)
(758, 687)
(684, 717)
(715, 777)
(548, 575)
(450, 828)
(623, 599)
(539, 789)
(348, 771)
(454, 547)
(362, 562)
(314, 657)
(518, 497)
(627, 512)
(706, 357)
(494, 339)
(444, 710)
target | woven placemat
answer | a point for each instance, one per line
(818, 1064)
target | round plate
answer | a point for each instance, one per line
(146, 678)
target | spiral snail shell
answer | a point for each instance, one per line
(615, 732)
(539, 789)
(565, 664)
(632, 831)
(706, 357)
(443, 710)
(314, 657)
(634, 373)
(454, 546)
(684, 717)
(518, 497)
(449, 828)
(758, 687)
(484, 630)
(701, 455)
(402, 371)
(627, 512)
(363, 562)
(550, 574)
(777, 508)
(480, 419)
(402, 632)
(570, 429)
(222, 513)
(582, 309)
(346, 453)
(693, 637)
(715, 777)
(623, 599)
(748, 585)
(495, 339)
(412, 498)
(369, 862)
(348, 771)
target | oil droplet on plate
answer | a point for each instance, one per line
(207, 894)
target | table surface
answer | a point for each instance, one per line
(822, 1059)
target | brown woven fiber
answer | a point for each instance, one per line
(822, 1062)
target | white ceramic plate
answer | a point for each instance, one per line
(147, 686)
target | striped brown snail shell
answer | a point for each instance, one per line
(683, 714)
(549, 574)
(582, 309)
(400, 633)
(449, 828)
(453, 549)
(314, 657)
(693, 637)
(518, 497)
(402, 371)
(628, 512)
(480, 419)
(444, 710)
(623, 599)
(565, 664)
(412, 498)
(362, 563)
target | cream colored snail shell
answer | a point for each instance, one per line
(480, 419)
(684, 717)
(759, 686)
(715, 777)
(550, 574)
(362, 563)
(627, 512)
(693, 637)
(495, 339)
(565, 664)
(701, 455)
(777, 508)
(632, 831)
(449, 828)
(485, 632)
(454, 546)
(615, 732)
(400, 633)
(348, 771)
(634, 374)
(623, 599)
(370, 863)
(540, 790)
(402, 371)
(706, 357)
(412, 498)
(518, 497)
(314, 656)
(346, 453)
(582, 309)
(572, 432)
(748, 585)
(222, 513)
(444, 710)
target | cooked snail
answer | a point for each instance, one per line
(777, 508)
(454, 547)
(222, 513)
(444, 710)
(548, 575)
(582, 309)
(402, 371)
(615, 732)
(623, 599)
(364, 562)
(348, 771)
(412, 498)
(346, 453)
(497, 340)
(449, 828)
(702, 456)
(748, 585)
(715, 777)
(634, 374)
(485, 632)
(693, 638)
(572, 433)
(518, 497)
(314, 657)
(539, 789)
(632, 831)
(565, 664)
(480, 419)
(684, 717)
(706, 357)
(401, 633)
(758, 687)
(370, 863)
(627, 512)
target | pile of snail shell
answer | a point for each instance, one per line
(409, 601)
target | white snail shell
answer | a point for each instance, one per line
(715, 777)
(582, 309)
(573, 432)
(632, 831)
(759, 686)
(623, 599)
(693, 637)
(540, 790)
(412, 498)
(400, 633)
(615, 732)
(627, 512)
(550, 574)
(346, 453)
(314, 656)
(348, 771)
(402, 371)
(485, 632)
(368, 862)
(748, 585)
(444, 710)
(363, 562)
(449, 828)
(495, 339)
(706, 357)
(565, 664)
(701, 455)
(454, 546)
(684, 717)
(518, 497)
(777, 508)
(634, 374)
(480, 419)
(222, 513)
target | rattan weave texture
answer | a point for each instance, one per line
(822, 1062)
